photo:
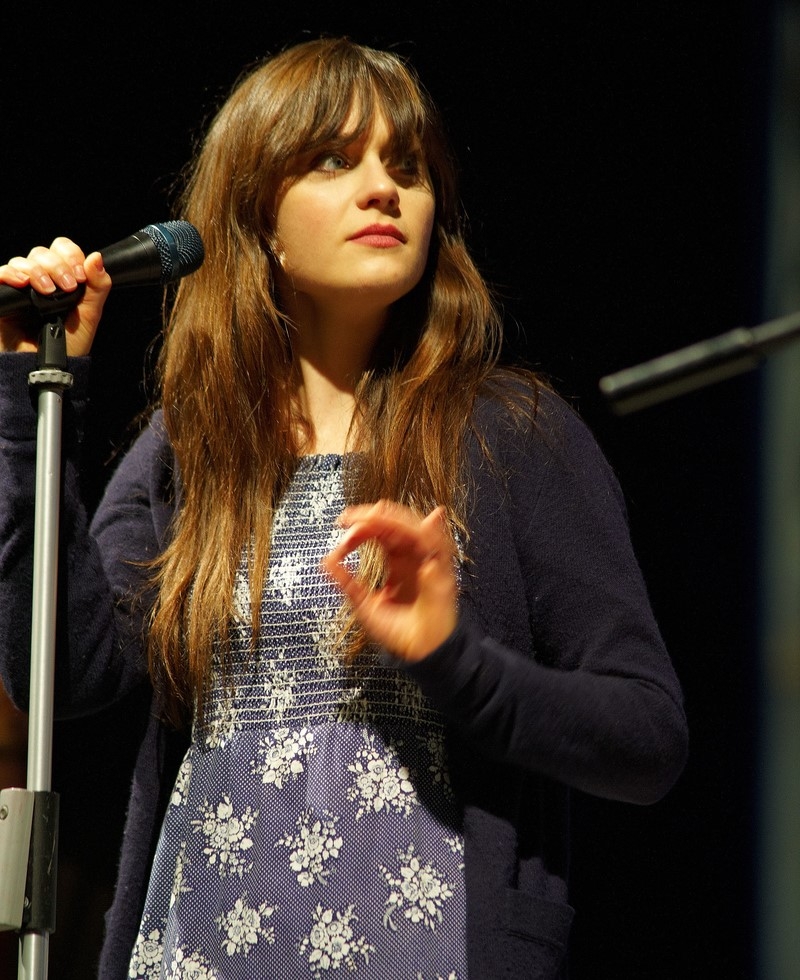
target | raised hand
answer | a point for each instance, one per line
(416, 609)
(61, 266)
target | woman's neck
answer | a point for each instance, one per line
(332, 355)
(328, 407)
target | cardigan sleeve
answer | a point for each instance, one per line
(99, 650)
(588, 696)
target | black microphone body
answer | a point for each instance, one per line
(158, 253)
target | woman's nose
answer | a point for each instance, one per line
(379, 188)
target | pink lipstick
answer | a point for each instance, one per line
(379, 236)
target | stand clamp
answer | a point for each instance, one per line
(28, 859)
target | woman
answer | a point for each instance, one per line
(384, 586)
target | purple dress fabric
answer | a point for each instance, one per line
(312, 831)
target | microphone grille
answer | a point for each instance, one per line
(180, 248)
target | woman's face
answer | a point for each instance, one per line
(355, 228)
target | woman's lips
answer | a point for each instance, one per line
(379, 236)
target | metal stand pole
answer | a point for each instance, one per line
(38, 808)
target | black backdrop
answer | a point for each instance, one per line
(612, 171)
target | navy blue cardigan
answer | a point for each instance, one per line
(555, 679)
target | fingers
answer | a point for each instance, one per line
(416, 607)
(63, 266)
(98, 283)
(12, 276)
(355, 590)
(46, 269)
(397, 529)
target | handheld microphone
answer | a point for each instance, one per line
(158, 253)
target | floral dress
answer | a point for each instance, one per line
(312, 831)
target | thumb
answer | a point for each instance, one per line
(82, 323)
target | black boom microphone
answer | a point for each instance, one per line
(156, 254)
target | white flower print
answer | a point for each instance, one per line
(353, 706)
(237, 867)
(321, 507)
(419, 891)
(280, 519)
(434, 743)
(407, 694)
(285, 576)
(241, 591)
(456, 845)
(226, 836)
(331, 944)
(279, 692)
(281, 755)
(321, 504)
(147, 953)
(380, 780)
(324, 631)
(178, 797)
(223, 724)
(178, 886)
(243, 926)
(315, 843)
(190, 966)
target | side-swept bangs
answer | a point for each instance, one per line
(316, 96)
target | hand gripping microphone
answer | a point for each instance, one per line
(156, 254)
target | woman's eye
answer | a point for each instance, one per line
(410, 167)
(331, 162)
(410, 164)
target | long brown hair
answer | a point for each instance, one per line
(227, 371)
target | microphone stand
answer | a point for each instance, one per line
(29, 818)
(698, 365)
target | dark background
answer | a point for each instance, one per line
(612, 169)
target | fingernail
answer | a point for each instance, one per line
(68, 281)
(80, 272)
(47, 284)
